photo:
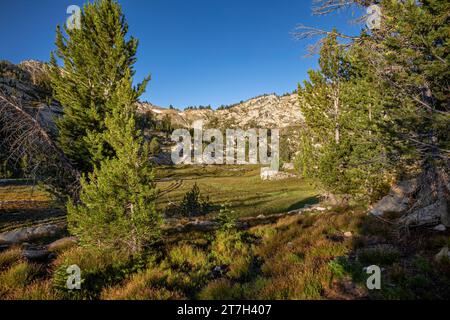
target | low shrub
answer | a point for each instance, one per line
(192, 205)
(98, 270)
(221, 289)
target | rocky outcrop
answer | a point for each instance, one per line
(398, 199)
(268, 174)
(62, 244)
(28, 83)
(267, 111)
(31, 233)
(422, 201)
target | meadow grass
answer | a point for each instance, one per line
(240, 186)
(305, 256)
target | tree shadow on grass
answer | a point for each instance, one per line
(305, 202)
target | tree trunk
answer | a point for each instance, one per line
(337, 133)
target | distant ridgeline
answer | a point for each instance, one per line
(28, 82)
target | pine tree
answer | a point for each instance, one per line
(321, 96)
(341, 146)
(95, 58)
(117, 209)
(410, 54)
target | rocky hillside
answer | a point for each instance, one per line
(267, 111)
(29, 84)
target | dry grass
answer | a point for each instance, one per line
(10, 256)
(16, 196)
(142, 286)
(300, 257)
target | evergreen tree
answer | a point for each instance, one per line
(95, 58)
(410, 53)
(341, 105)
(117, 209)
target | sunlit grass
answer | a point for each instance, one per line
(241, 186)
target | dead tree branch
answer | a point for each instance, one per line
(23, 135)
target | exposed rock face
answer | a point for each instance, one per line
(271, 175)
(397, 200)
(288, 166)
(440, 227)
(62, 243)
(429, 215)
(28, 82)
(31, 233)
(268, 111)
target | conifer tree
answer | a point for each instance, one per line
(95, 58)
(342, 108)
(410, 54)
(117, 208)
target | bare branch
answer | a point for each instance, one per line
(24, 135)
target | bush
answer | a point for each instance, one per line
(229, 247)
(221, 289)
(98, 270)
(142, 286)
(188, 258)
(192, 205)
(188, 269)
(155, 147)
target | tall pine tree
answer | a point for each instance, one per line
(117, 209)
(341, 106)
(95, 59)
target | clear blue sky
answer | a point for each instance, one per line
(197, 51)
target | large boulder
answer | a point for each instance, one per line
(62, 243)
(288, 166)
(31, 233)
(398, 199)
(271, 175)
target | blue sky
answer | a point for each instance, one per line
(199, 52)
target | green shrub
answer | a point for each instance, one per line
(155, 147)
(142, 286)
(192, 205)
(187, 269)
(221, 289)
(98, 270)
(186, 257)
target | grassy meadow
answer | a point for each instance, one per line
(239, 186)
(307, 256)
